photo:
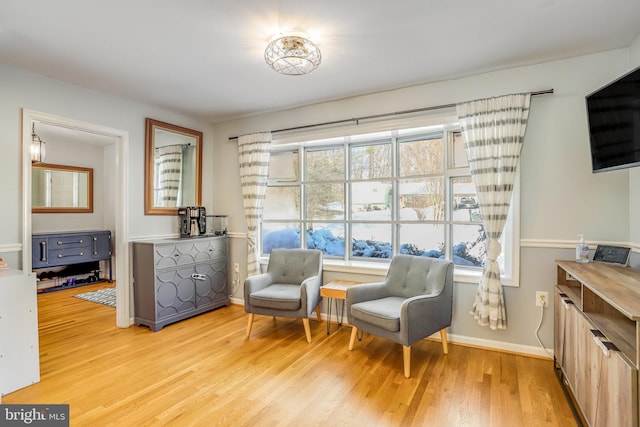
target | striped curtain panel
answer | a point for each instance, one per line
(170, 174)
(493, 130)
(253, 156)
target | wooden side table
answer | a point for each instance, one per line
(336, 290)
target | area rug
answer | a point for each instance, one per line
(101, 296)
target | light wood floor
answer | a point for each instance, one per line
(201, 372)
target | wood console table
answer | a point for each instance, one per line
(597, 340)
(336, 290)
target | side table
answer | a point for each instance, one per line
(336, 290)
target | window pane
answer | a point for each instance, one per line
(371, 241)
(421, 199)
(329, 238)
(465, 203)
(421, 157)
(371, 200)
(282, 203)
(275, 236)
(371, 161)
(325, 165)
(422, 240)
(284, 166)
(325, 201)
(459, 155)
(469, 245)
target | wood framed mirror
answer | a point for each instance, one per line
(61, 189)
(173, 168)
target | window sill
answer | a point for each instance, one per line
(461, 274)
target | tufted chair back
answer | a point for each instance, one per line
(411, 276)
(293, 266)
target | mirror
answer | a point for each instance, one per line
(173, 168)
(61, 189)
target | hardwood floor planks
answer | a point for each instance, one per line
(202, 372)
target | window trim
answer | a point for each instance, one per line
(510, 275)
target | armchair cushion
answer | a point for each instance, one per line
(277, 297)
(383, 313)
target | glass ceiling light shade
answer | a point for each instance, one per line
(293, 55)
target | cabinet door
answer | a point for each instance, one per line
(559, 325)
(211, 283)
(39, 249)
(571, 353)
(606, 381)
(616, 387)
(175, 292)
(101, 245)
(19, 355)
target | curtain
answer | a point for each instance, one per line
(170, 174)
(253, 157)
(493, 130)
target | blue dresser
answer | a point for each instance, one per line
(68, 248)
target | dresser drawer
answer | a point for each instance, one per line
(189, 252)
(69, 256)
(60, 249)
(69, 242)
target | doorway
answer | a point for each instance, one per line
(117, 169)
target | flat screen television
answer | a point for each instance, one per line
(613, 113)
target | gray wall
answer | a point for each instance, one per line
(20, 90)
(560, 195)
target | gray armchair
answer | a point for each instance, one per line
(414, 301)
(289, 288)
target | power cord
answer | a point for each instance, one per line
(538, 330)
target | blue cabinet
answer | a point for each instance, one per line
(61, 249)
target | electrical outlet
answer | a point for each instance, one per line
(236, 267)
(542, 299)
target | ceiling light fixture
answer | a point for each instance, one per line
(292, 54)
(37, 146)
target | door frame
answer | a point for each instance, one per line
(121, 249)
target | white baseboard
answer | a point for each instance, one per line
(498, 345)
(503, 346)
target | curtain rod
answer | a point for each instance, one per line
(378, 116)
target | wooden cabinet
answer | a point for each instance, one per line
(178, 278)
(597, 309)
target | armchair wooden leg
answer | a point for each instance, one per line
(406, 357)
(318, 312)
(443, 338)
(354, 334)
(307, 329)
(249, 324)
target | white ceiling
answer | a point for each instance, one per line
(205, 57)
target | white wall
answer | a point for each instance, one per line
(560, 196)
(72, 153)
(31, 91)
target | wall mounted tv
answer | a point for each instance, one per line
(613, 113)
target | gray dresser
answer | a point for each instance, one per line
(178, 278)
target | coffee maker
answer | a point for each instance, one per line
(192, 221)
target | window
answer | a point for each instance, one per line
(369, 197)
